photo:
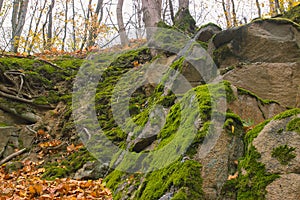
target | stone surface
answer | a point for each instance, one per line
(219, 162)
(272, 41)
(273, 81)
(92, 171)
(5, 136)
(252, 110)
(286, 187)
(272, 136)
(206, 32)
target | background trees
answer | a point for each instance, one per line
(35, 26)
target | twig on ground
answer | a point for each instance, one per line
(8, 158)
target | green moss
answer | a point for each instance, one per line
(67, 166)
(114, 179)
(287, 114)
(253, 179)
(162, 24)
(242, 91)
(3, 124)
(227, 69)
(294, 125)
(283, 154)
(209, 24)
(184, 176)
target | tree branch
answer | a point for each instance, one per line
(8, 158)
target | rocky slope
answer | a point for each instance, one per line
(234, 138)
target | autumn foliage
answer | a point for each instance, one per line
(27, 184)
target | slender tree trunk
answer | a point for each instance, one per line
(152, 14)
(172, 11)
(226, 13)
(18, 21)
(66, 26)
(96, 20)
(277, 6)
(235, 23)
(273, 10)
(73, 26)
(86, 25)
(139, 18)
(50, 25)
(30, 26)
(122, 31)
(1, 4)
(258, 8)
(36, 28)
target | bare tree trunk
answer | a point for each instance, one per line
(30, 26)
(86, 26)
(258, 8)
(152, 14)
(277, 6)
(66, 26)
(18, 20)
(172, 11)
(122, 31)
(1, 4)
(36, 28)
(73, 26)
(95, 24)
(50, 25)
(138, 9)
(273, 10)
(226, 13)
(235, 23)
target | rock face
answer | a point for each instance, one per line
(273, 136)
(270, 41)
(219, 163)
(206, 32)
(274, 81)
(268, 67)
(274, 155)
(285, 187)
(252, 109)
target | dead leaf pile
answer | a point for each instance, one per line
(27, 184)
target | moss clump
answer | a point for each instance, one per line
(242, 91)
(283, 154)
(252, 182)
(114, 179)
(185, 177)
(287, 114)
(294, 125)
(253, 177)
(3, 124)
(68, 165)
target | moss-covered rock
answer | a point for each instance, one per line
(68, 166)
(260, 167)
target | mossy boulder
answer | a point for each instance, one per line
(271, 152)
